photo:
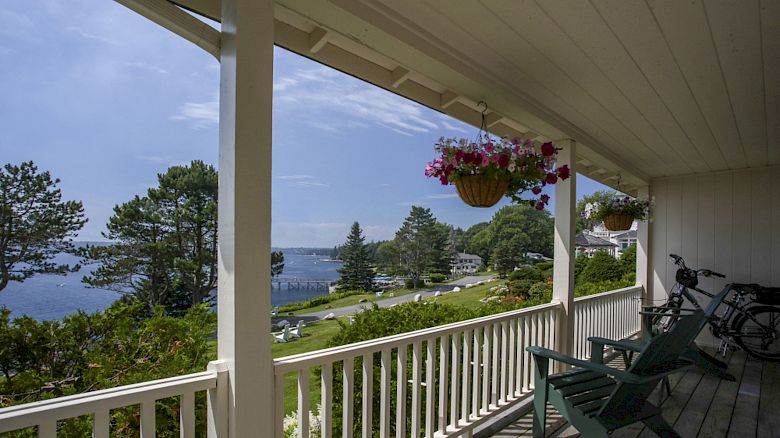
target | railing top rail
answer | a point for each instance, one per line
(31, 414)
(622, 291)
(329, 355)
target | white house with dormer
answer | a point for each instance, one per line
(465, 264)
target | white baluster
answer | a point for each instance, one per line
(303, 403)
(368, 393)
(326, 400)
(349, 398)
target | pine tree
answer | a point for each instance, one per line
(35, 224)
(356, 272)
(420, 243)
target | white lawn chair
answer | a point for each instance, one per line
(284, 336)
(275, 312)
(297, 331)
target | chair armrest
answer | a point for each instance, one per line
(621, 344)
(592, 366)
(673, 367)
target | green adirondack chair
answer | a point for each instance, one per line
(598, 399)
(700, 358)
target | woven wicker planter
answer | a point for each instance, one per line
(618, 222)
(479, 191)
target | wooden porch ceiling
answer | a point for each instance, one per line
(649, 89)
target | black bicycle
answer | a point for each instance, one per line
(751, 319)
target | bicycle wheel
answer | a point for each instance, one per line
(759, 333)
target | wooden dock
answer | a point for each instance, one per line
(302, 285)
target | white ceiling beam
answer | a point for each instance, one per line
(447, 99)
(173, 18)
(493, 119)
(317, 39)
(399, 75)
(211, 9)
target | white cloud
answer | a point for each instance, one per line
(147, 67)
(91, 36)
(311, 184)
(284, 83)
(294, 177)
(330, 101)
(453, 127)
(200, 114)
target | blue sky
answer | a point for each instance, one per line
(105, 100)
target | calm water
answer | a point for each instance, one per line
(55, 296)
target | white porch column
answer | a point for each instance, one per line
(563, 264)
(643, 249)
(245, 107)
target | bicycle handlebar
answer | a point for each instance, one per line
(705, 272)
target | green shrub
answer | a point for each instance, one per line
(582, 289)
(601, 267)
(409, 283)
(437, 278)
(530, 273)
(520, 288)
(541, 292)
(580, 263)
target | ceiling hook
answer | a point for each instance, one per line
(484, 106)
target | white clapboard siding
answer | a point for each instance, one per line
(725, 221)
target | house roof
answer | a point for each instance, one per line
(630, 234)
(465, 256)
(590, 241)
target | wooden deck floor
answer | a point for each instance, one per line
(700, 405)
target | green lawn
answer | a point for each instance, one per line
(468, 297)
(352, 300)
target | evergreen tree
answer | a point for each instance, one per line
(507, 255)
(356, 272)
(35, 224)
(420, 244)
(166, 242)
(277, 263)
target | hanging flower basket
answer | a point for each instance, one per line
(617, 212)
(618, 222)
(485, 169)
(481, 191)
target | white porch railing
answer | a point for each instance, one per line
(45, 414)
(454, 377)
(461, 375)
(612, 315)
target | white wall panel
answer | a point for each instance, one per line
(726, 221)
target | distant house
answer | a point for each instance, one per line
(622, 239)
(588, 244)
(464, 264)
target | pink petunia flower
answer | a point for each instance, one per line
(551, 178)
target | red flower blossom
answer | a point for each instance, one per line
(536, 190)
(548, 149)
(503, 161)
(551, 178)
(539, 206)
(545, 199)
(564, 172)
(459, 156)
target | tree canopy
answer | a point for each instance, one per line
(35, 224)
(165, 250)
(422, 244)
